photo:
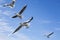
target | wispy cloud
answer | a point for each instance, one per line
(6, 30)
(6, 12)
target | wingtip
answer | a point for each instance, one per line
(13, 32)
(25, 5)
(32, 17)
(52, 32)
(12, 17)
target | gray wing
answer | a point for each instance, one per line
(14, 16)
(12, 3)
(30, 19)
(48, 37)
(17, 29)
(50, 34)
(23, 9)
(5, 5)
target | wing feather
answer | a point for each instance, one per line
(30, 19)
(23, 9)
(17, 29)
(14, 16)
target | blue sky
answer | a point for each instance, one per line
(46, 15)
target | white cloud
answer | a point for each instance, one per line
(6, 30)
(17, 36)
(4, 25)
(21, 36)
(6, 12)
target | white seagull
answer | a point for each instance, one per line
(11, 5)
(20, 12)
(26, 24)
(48, 36)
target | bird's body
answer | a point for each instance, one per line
(26, 24)
(20, 12)
(17, 15)
(48, 36)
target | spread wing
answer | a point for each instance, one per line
(17, 29)
(5, 5)
(30, 19)
(23, 9)
(12, 2)
(14, 16)
(50, 34)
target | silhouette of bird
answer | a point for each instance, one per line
(20, 12)
(26, 24)
(11, 5)
(48, 36)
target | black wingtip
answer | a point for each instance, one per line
(31, 18)
(25, 6)
(13, 32)
(14, 16)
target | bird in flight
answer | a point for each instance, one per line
(26, 24)
(11, 5)
(20, 12)
(48, 36)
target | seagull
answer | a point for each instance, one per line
(48, 36)
(26, 24)
(11, 5)
(20, 12)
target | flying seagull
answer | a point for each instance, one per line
(11, 5)
(48, 36)
(20, 12)
(26, 24)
